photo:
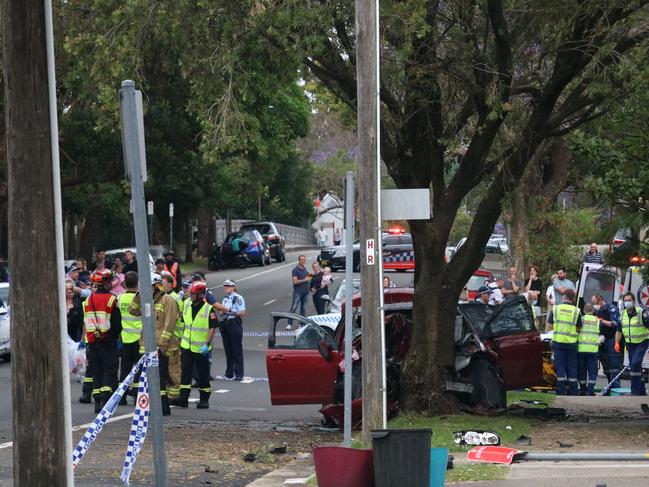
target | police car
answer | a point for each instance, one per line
(5, 336)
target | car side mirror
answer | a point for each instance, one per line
(325, 349)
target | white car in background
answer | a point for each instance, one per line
(111, 254)
(328, 321)
(5, 333)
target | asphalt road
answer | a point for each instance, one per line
(264, 289)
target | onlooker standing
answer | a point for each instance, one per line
(82, 266)
(634, 326)
(321, 235)
(73, 306)
(550, 296)
(300, 277)
(593, 256)
(587, 347)
(100, 258)
(337, 236)
(561, 284)
(496, 288)
(118, 277)
(533, 285)
(565, 319)
(130, 263)
(512, 285)
(609, 319)
(318, 288)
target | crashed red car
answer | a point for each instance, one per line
(497, 349)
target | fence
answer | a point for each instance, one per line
(292, 235)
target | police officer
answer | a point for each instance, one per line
(131, 333)
(634, 326)
(173, 390)
(233, 308)
(102, 327)
(565, 319)
(166, 314)
(200, 321)
(609, 319)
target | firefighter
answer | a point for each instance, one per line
(200, 321)
(166, 314)
(173, 389)
(131, 334)
(102, 326)
(172, 266)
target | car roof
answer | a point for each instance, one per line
(482, 273)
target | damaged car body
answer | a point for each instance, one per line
(497, 349)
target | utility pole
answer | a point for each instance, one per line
(369, 218)
(42, 449)
(171, 226)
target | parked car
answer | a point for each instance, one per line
(335, 305)
(496, 349)
(497, 244)
(334, 257)
(5, 332)
(479, 278)
(272, 237)
(252, 250)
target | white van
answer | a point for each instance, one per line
(633, 283)
(599, 279)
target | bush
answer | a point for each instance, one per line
(461, 227)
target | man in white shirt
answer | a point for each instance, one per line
(322, 237)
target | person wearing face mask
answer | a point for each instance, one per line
(634, 326)
(609, 318)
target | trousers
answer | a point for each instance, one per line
(188, 361)
(298, 300)
(104, 359)
(587, 372)
(565, 364)
(636, 354)
(232, 334)
(611, 361)
(173, 388)
(130, 356)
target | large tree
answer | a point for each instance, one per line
(479, 84)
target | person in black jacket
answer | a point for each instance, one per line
(74, 311)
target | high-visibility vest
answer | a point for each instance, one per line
(632, 327)
(173, 270)
(178, 330)
(565, 323)
(97, 310)
(588, 341)
(196, 329)
(131, 325)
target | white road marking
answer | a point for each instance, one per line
(221, 391)
(269, 302)
(9, 444)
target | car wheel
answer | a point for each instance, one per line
(283, 257)
(356, 266)
(7, 358)
(488, 387)
(269, 261)
(262, 260)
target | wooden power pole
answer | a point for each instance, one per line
(42, 446)
(366, 73)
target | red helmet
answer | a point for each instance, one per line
(197, 287)
(101, 276)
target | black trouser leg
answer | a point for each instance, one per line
(203, 368)
(130, 356)
(234, 331)
(94, 369)
(186, 372)
(109, 358)
(163, 369)
(227, 344)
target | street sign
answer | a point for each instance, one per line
(643, 297)
(149, 207)
(405, 204)
(171, 210)
(369, 252)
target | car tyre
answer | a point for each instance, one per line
(262, 260)
(7, 358)
(269, 261)
(356, 266)
(488, 386)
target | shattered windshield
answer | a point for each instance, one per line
(478, 314)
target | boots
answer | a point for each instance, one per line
(122, 401)
(98, 406)
(204, 401)
(86, 392)
(166, 411)
(183, 399)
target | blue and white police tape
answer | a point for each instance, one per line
(140, 422)
(245, 380)
(263, 334)
(106, 412)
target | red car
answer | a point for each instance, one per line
(476, 280)
(497, 348)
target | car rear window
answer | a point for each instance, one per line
(405, 240)
(600, 283)
(264, 229)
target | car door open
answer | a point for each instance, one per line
(301, 362)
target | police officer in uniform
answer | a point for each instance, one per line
(233, 308)
(102, 327)
(634, 326)
(609, 320)
(200, 321)
(131, 333)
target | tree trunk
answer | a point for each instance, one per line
(520, 228)
(189, 236)
(89, 237)
(205, 233)
(40, 451)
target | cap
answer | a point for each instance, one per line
(168, 252)
(230, 282)
(198, 276)
(187, 283)
(485, 289)
(83, 280)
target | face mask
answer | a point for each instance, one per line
(597, 307)
(628, 304)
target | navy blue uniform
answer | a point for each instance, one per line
(610, 359)
(232, 334)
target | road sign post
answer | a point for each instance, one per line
(171, 226)
(349, 295)
(133, 143)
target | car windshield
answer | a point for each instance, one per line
(340, 295)
(475, 282)
(600, 283)
(478, 314)
(263, 228)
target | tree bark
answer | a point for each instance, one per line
(39, 432)
(520, 228)
(205, 233)
(189, 236)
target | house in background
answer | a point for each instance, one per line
(331, 216)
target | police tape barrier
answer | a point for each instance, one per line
(245, 380)
(257, 334)
(147, 360)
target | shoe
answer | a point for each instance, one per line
(85, 399)
(179, 402)
(166, 411)
(98, 407)
(289, 327)
(122, 401)
(238, 379)
(228, 377)
(202, 405)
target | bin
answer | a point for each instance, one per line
(438, 464)
(337, 466)
(401, 457)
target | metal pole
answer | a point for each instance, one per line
(58, 226)
(379, 218)
(259, 208)
(587, 457)
(132, 145)
(349, 295)
(171, 226)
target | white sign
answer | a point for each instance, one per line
(370, 255)
(171, 210)
(149, 207)
(405, 204)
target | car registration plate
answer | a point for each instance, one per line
(324, 262)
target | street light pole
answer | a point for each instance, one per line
(171, 226)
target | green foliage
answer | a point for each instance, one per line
(556, 236)
(461, 227)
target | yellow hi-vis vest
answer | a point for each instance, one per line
(588, 341)
(131, 325)
(565, 323)
(178, 330)
(632, 328)
(196, 329)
